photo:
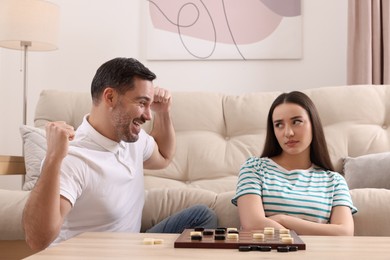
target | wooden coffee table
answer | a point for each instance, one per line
(130, 246)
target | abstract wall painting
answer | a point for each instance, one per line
(223, 29)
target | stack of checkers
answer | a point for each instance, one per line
(283, 240)
(152, 241)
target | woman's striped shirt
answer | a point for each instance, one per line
(307, 194)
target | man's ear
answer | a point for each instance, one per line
(109, 97)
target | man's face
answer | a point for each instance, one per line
(132, 110)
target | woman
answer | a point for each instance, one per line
(293, 184)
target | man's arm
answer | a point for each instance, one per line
(162, 132)
(45, 209)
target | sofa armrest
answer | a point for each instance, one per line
(11, 209)
(372, 218)
(12, 243)
(12, 165)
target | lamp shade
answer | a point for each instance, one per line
(34, 22)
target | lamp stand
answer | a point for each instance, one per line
(25, 45)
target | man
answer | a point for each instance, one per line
(95, 182)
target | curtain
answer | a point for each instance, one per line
(368, 42)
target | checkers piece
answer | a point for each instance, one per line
(284, 231)
(259, 236)
(287, 240)
(148, 241)
(232, 236)
(244, 248)
(220, 231)
(229, 230)
(199, 229)
(221, 228)
(264, 248)
(152, 241)
(269, 231)
(282, 249)
(195, 233)
(196, 237)
(158, 241)
(219, 237)
(208, 232)
(269, 228)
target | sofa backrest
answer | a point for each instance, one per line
(57, 105)
(216, 132)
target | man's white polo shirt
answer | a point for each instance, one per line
(104, 182)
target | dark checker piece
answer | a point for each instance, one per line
(208, 233)
(199, 229)
(219, 237)
(220, 231)
(196, 237)
(265, 248)
(282, 249)
(244, 248)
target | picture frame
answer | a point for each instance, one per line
(223, 30)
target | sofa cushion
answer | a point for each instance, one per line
(213, 138)
(372, 218)
(11, 208)
(34, 145)
(161, 203)
(227, 212)
(57, 105)
(368, 171)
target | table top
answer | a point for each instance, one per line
(106, 245)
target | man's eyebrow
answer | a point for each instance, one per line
(143, 98)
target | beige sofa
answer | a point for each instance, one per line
(217, 132)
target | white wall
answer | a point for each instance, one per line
(93, 32)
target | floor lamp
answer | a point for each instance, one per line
(28, 25)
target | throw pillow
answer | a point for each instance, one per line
(34, 145)
(368, 171)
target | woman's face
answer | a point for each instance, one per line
(292, 128)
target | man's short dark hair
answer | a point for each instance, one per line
(118, 73)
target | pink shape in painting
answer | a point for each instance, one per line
(227, 21)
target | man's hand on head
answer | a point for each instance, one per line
(162, 100)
